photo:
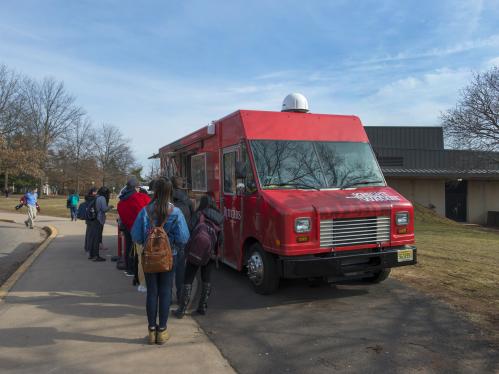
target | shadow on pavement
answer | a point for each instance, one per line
(238, 292)
(41, 336)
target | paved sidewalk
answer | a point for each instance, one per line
(70, 315)
(16, 243)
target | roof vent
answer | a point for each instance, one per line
(295, 102)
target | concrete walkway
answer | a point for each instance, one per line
(16, 243)
(70, 315)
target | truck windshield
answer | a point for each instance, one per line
(289, 164)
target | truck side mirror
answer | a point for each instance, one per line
(240, 170)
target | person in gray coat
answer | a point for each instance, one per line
(96, 226)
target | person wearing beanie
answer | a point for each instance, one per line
(130, 204)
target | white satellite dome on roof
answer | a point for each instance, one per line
(295, 102)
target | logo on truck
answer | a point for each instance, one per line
(232, 214)
(373, 196)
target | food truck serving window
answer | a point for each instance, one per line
(315, 165)
(198, 173)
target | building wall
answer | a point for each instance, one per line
(482, 197)
(423, 191)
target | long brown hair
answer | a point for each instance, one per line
(161, 200)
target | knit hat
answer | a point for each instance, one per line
(132, 183)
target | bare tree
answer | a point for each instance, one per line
(50, 113)
(77, 145)
(10, 101)
(153, 170)
(113, 153)
(474, 122)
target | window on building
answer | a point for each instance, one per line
(198, 173)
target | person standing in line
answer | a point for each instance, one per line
(208, 209)
(72, 204)
(31, 198)
(96, 224)
(181, 201)
(131, 202)
(92, 237)
(159, 285)
(89, 198)
(103, 195)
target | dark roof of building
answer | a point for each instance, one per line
(409, 137)
(419, 152)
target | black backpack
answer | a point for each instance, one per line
(87, 210)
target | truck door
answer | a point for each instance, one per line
(231, 207)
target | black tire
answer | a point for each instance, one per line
(262, 270)
(378, 277)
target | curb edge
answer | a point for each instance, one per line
(11, 281)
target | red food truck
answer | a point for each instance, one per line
(302, 194)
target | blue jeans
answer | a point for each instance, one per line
(73, 212)
(159, 296)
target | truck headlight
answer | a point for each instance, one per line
(402, 218)
(303, 225)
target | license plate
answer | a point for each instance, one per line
(404, 255)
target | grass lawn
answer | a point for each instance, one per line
(458, 264)
(51, 206)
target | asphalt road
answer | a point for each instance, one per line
(356, 328)
(16, 243)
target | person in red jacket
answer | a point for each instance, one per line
(131, 202)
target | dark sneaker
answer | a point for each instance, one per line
(129, 274)
(91, 257)
(99, 259)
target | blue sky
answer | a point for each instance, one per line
(160, 69)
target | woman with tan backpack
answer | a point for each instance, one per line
(161, 228)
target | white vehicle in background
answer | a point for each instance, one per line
(143, 188)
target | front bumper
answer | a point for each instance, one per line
(344, 264)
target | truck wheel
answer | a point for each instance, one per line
(262, 270)
(378, 277)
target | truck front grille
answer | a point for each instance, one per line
(354, 231)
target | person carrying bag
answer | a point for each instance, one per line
(201, 251)
(161, 229)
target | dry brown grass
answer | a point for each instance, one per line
(459, 265)
(50, 206)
